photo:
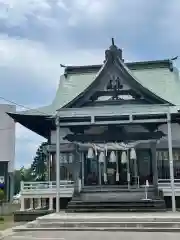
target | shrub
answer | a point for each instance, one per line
(2, 196)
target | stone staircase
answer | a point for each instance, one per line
(116, 200)
(144, 222)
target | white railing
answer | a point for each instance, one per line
(165, 186)
(67, 188)
(47, 188)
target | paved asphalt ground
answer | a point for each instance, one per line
(82, 235)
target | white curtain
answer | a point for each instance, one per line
(112, 157)
(90, 153)
(123, 157)
(133, 154)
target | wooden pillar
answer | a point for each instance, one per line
(51, 203)
(154, 163)
(39, 203)
(22, 201)
(48, 166)
(76, 169)
(31, 203)
(11, 185)
(53, 168)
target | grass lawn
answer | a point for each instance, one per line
(7, 223)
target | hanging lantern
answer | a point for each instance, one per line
(112, 158)
(105, 177)
(90, 153)
(95, 149)
(117, 177)
(123, 157)
(147, 183)
(101, 157)
(70, 158)
(133, 154)
(106, 149)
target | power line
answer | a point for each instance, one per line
(19, 105)
(10, 128)
(22, 106)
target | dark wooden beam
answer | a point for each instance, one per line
(118, 92)
(79, 129)
(151, 127)
(115, 102)
(113, 137)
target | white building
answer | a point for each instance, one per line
(7, 149)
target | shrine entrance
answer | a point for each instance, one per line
(132, 173)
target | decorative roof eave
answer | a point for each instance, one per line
(98, 75)
(37, 123)
(166, 63)
(114, 56)
(138, 84)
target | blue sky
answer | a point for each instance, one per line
(37, 35)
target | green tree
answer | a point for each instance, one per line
(23, 174)
(2, 197)
(38, 167)
(17, 180)
(37, 171)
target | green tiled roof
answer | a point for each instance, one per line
(160, 80)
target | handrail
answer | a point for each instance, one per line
(168, 180)
(66, 185)
(165, 184)
(28, 186)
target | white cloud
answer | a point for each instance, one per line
(62, 5)
(15, 12)
(42, 62)
(123, 14)
(93, 10)
(36, 59)
(27, 144)
(168, 24)
(30, 56)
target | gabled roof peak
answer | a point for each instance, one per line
(113, 52)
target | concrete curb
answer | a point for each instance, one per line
(6, 233)
(100, 229)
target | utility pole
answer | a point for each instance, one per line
(58, 164)
(171, 165)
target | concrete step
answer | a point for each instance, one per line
(114, 210)
(110, 224)
(88, 229)
(120, 203)
(114, 196)
(116, 204)
(94, 226)
(109, 217)
(163, 222)
(137, 206)
(96, 189)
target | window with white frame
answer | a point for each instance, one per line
(163, 163)
(66, 166)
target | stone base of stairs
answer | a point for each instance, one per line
(116, 200)
(30, 215)
(104, 222)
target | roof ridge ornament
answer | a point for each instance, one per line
(113, 52)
